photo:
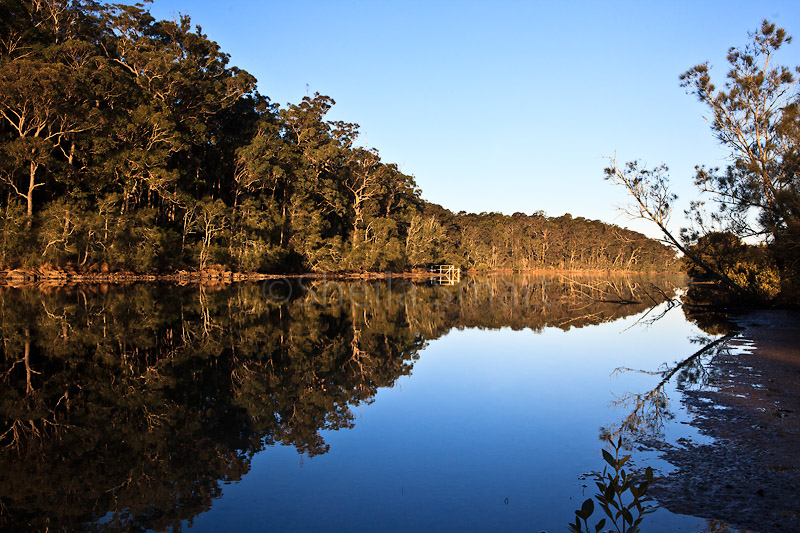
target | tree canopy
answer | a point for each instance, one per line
(131, 143)
(754, 116)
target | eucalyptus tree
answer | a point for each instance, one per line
(653, 200)
(315, 208)
(754, 116)
(424, 240)
(184, 88)
(45, 67)
(130, 142)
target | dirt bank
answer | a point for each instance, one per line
(750, 476)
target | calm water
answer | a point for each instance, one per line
(331, 406)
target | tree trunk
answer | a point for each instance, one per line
(29, 196)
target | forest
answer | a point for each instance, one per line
(130, 144)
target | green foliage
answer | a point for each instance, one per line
(752, 268)
(761, 279)
(755, 117)
(382, 247)
(424, 241)
(621, 498)
(13, 234)
(253, 245)
(718, 250)
(131, 142)
(785, 254)
(489, 241)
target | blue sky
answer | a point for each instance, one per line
(507, 105)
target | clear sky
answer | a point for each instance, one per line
(506, 105)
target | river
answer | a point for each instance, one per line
(311, 405)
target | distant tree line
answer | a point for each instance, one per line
(130, 143)
(490, 241)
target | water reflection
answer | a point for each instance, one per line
(131, 407)
(648, 412)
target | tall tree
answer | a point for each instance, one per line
(754, 117)
(44, 68)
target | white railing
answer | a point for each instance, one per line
(446, 274)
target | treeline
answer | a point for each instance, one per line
(490, 241)
(129, 143)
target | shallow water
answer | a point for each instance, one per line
(333, 406)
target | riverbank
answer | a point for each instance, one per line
(46, 276)
(749, 476)
(212, 276)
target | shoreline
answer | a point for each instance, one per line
(749, 475)
(27, 277)
(32, 277)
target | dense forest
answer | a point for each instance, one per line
(522, 242)
(129, 143)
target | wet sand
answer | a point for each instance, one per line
(749, 478)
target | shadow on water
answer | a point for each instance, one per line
(729, 476)
(131, 407)
(623, 497)
(649, 411)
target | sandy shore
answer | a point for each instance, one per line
(749, 478)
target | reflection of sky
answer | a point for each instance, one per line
(485, 416)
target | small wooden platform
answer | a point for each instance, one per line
(445, 274)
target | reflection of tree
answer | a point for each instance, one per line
(648, 411)
(126, 403)
(700, 305)
(128, 408)
(536, 302)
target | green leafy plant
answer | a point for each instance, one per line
(620, 497)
